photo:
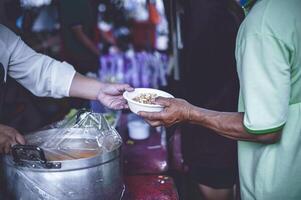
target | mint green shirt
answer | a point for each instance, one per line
(268, 56)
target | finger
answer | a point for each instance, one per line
(20, 139)
(7, 147)
(121, 98)
(125, 106)
(152, 116)
(118, 105)
(148, 121)
(155, 123)
(116, 99)
(129, 89)
(125, 87)
(165, 102)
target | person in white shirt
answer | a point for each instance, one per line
(45, 76)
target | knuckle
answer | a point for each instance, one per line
(153, 123)
(152, 117)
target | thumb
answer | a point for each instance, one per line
(129, 88)
(19, 138)
(125, 87)
(162, 101)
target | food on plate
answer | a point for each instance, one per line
(146, 98)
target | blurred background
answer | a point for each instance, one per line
(146, 43)
(124, 41)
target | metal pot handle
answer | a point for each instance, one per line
(32, 156)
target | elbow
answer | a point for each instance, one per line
(271, 138)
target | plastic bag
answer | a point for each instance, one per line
(82, 135)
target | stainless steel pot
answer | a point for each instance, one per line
(28, 175)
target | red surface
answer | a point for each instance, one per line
(143, 156)
(150, 188)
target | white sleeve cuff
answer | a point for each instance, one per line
(62, 76)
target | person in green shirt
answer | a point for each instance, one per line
(267, 123)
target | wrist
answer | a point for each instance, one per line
(188, 113)
(199, 115)
(193, 114)
(85, 88)
(100, 88)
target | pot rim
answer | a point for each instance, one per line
(68, 165)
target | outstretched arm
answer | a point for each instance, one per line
(45, 76)
(227, 124)
(108, 94)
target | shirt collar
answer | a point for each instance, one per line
(248, 6)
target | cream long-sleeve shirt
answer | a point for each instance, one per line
(42, 75)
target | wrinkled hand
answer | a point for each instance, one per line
(8, 137)
(110, 95)
(175, 111)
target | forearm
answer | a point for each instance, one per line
(109, 94)
(85, 40)
(227, 124)
(84, 87)
(107, 37)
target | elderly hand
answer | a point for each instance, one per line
(8, 137)
(175, 111)
(110, 95)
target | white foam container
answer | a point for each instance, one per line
(136, 107)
